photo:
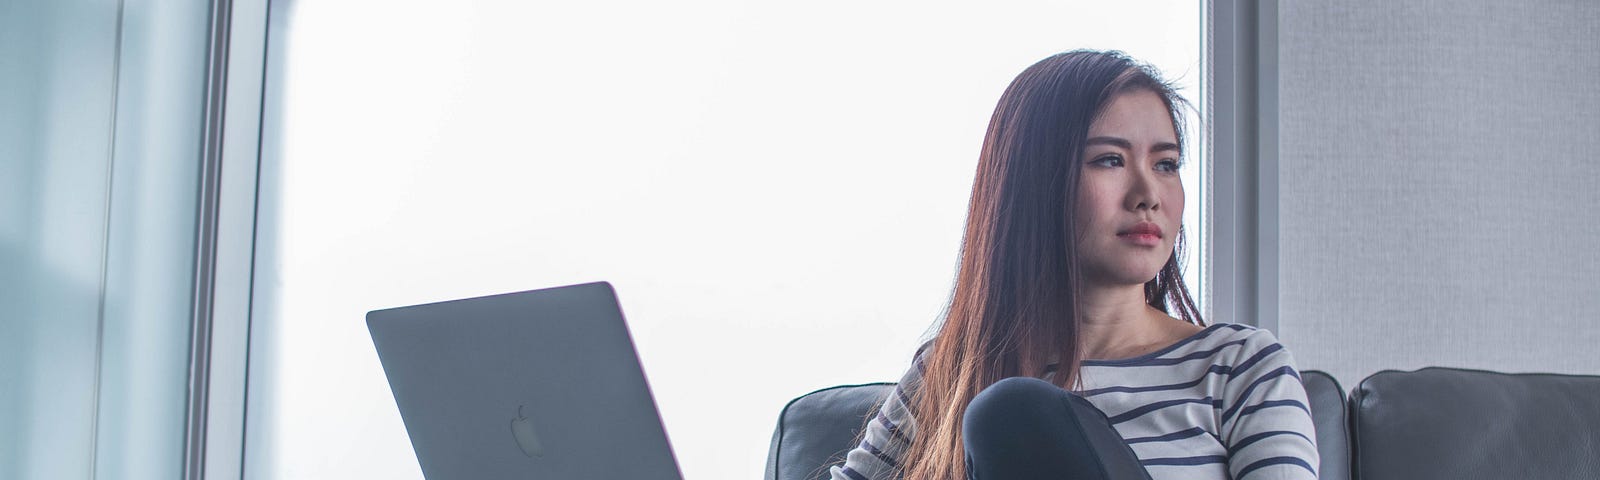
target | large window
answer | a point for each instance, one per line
(776, 190)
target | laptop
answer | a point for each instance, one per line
(542, 384)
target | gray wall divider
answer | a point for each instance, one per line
(1241, 116)
(217, 415)
(1425, 182)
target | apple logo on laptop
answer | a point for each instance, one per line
(522, 429)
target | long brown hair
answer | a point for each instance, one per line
(1014, 307)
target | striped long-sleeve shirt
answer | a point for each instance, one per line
(1225, 403)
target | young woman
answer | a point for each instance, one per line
(1057, 357)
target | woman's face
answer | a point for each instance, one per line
(1130, 200)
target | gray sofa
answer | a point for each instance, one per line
(1433, 423)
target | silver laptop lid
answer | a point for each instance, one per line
(543, 384)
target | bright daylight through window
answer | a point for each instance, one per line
(777, 191)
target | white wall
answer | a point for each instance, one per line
(776, 190)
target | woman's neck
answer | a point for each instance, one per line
(1117, 323)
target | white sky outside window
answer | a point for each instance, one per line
(777, 191)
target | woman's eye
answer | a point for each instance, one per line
(1168, 165)
(1107, 161)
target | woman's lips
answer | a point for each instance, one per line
(1143, 233)
(1142, 239)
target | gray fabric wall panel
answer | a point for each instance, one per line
(1439, 165)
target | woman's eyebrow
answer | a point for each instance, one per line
(1126, 145)
(1113, 141)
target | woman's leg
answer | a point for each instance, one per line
(1026, 428)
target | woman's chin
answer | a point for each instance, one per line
(1122, 276)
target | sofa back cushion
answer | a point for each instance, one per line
(1446, 423)
(1328, 415)
(817, 429)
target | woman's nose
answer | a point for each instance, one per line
(1142, 193)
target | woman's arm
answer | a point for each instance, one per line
(1266, 418)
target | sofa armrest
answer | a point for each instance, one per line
(817, 429)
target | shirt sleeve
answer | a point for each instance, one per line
(1266, 418)
(888, 435)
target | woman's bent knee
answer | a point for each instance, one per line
(1010, 394)
(1011, 406)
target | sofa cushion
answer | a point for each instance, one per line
(1446, 423)
(817, 429)
(1328, 415)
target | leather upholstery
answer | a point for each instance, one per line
(1445, 423)
(1328, 414)
(817, 429)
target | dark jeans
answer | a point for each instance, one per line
(1025, 428)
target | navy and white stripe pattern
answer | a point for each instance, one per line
(1225, 403)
